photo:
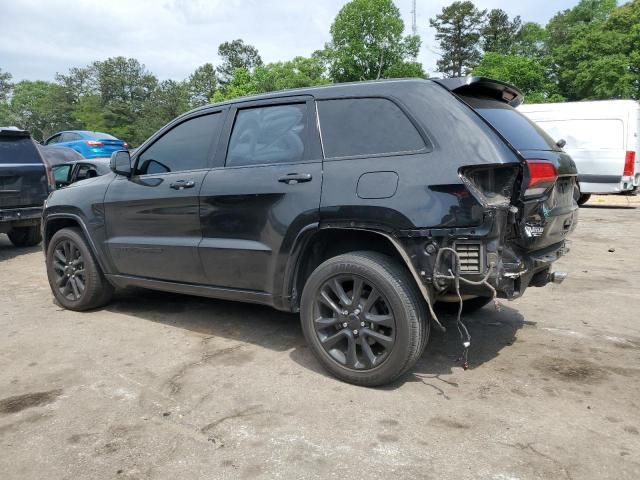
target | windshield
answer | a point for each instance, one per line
(519, 131)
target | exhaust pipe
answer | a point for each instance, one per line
(557, 277)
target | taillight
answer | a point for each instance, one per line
(492, 185)
(50, 178)
(542, 176)
(629, 164)
(94, 143)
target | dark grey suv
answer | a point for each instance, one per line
(359, 205)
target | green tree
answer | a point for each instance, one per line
(594, 49)
(530, 40)
(499, 32)
(367, 42)
(40, 107)
(5, 91)
(297, 73)
(526, 73)
(234, 55)
(168, 101)
(458, 29)
(202, 85)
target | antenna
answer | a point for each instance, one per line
(414, 23)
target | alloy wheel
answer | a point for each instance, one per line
(354, 322)
(68, 267)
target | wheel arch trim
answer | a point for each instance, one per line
(83, 227)
(302, 244)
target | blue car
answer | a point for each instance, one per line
(88, 144)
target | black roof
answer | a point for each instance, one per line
(494, 88)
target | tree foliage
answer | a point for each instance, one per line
(590, 51)
(234, 55)
(458, 30)
(368, 43)
(499, 32)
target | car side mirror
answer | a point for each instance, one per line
(120, 163)
(561, 143)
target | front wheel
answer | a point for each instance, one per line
(363, 318)
(75, 277)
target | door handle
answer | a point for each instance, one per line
(294, 178)
(182, 184)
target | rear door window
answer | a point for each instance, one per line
(366, 126)
(266, 135)
(520, 132)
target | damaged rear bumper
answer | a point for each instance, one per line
(491, 250)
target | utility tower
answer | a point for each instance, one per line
(414, 23)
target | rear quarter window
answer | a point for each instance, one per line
(517, 129)
(366, 126)
(18, 150)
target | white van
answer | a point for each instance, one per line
(603, 138)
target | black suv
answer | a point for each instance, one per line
(25, 182)
(358, 205)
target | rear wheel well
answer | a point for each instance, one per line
(55, 225)
(329, 243)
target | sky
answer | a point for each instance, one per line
(39, 38)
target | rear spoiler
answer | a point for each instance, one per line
(484, 87)
(13, 132)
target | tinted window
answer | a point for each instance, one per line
(61, 173)
(519, 131)
(184, 147)
(70, 137)
(18, 150)
(366, 126)
(268, 135)
(53, 140)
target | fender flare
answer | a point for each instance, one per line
(85, 232)
(300, 245)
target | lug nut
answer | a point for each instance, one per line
(355, 332)
(345, 324)
(362, 324)
(345, 313)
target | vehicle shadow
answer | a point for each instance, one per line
(491, 330)
(8, 251)
(610, 207)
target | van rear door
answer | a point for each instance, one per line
(597, 146)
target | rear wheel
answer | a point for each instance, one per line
(363, 318)
(25, 236)
(74, 275)
(584, 198)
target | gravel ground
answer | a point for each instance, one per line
(167, 386)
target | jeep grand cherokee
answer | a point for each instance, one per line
(358, 205)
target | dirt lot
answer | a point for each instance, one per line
(166, 386)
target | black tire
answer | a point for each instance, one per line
(25, 236)
(77, 282)
(396, 296)
(584, 198)
(468, 306)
